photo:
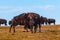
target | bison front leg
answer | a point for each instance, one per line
(10, 28)
(35, 28)
(13, 29)
(5, 24)
(54, 23)
(31, 29)
(25, 28)
(39, 27)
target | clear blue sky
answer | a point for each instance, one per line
(46, 8)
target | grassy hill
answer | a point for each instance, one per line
(49, 32)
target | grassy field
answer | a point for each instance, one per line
(49, 32)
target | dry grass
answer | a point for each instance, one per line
(47, 33)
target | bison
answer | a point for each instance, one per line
(50, 20)
(3, 21)
(10, 22)
(33, 21)
(28, 22)
(43, 20)
(17, 20)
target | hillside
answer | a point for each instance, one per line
(49, 32)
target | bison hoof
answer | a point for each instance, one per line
(39, 31)
(24, 31)
(9, 31)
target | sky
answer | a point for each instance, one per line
(46, 8)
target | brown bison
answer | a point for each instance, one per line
(50, 20)
(17, 20)
(10, 22)
(33, 20)
(43, 20)
(3, 21)
(28, 20)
